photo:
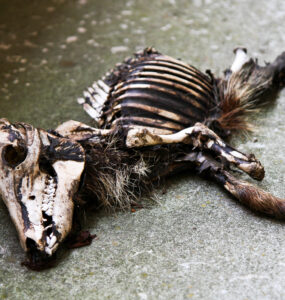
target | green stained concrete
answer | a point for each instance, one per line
(195, 242)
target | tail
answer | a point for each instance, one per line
(246, 88)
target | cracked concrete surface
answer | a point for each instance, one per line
(194, 241)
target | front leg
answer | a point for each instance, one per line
(203, 138)
(77, 131)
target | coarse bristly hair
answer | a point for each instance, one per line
(114, 178)
(242, 95)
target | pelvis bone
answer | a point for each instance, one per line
(39, 174)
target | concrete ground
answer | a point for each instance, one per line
(194, 241)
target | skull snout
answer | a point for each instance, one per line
(39, 174)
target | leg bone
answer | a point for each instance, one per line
(201, 137)
(253, 197)
(78, 131)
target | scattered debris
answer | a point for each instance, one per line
(81, 29)
(71, 39)
(118, 49)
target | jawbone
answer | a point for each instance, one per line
(39, 175)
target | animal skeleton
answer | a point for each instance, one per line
(156, 116)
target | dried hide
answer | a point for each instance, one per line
(156, 116)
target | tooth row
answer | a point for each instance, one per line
(48, 198)
(49, 195)
(49, 211)
(50, 190)
(51, 183)
(47, 204)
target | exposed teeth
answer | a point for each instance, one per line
(48, 251)
(47, 200)
(52, 242)
(49, 192)
(45, 207)
(49, 195)
(49, 211)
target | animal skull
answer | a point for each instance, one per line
(39, 175)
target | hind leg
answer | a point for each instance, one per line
(201, 137)
(248, 194)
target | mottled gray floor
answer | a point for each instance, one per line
(195, 241)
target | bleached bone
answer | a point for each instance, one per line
(200, 136)
(44, 172)
(240, 59)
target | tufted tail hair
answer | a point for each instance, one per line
(246, 88)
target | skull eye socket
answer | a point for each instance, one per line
(13, 156)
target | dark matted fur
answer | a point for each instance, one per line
(115, 176)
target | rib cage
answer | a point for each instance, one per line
(152, 91)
